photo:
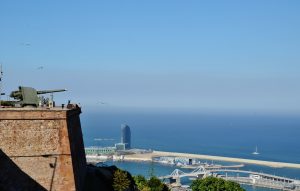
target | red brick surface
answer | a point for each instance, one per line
(46, 144)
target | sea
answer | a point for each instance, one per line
(220, 133)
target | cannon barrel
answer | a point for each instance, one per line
(50, 91)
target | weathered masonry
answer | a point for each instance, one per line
(45, 144)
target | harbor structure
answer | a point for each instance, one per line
(126, 136)
(100, 150)
(258, 179)
(150, 155)
(120, 146)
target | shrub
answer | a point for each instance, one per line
(215, 184)
(120, 181)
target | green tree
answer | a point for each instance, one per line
(141, 182)
(155, 184)
(215, 184)
(121, 181)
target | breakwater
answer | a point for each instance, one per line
(149, 156)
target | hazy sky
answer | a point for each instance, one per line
(172, 54)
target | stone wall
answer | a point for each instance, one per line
(46, 144)
(13, 178)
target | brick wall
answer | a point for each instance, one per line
(46, 144)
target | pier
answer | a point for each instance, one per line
(150, 156)
(253, 178)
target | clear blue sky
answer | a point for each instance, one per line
(173, 54)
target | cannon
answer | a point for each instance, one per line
(28, 96)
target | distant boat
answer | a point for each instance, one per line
(255, 152)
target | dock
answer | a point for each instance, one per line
(253, 178)
(148, 157)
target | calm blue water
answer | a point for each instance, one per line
(233, 135)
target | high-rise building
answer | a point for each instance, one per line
(126, 136)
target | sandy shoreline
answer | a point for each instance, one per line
(148, 157)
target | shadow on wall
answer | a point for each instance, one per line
(13, 178)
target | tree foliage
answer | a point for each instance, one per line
(141, 183)
(121, 181)
(153, 184)
(215, 184)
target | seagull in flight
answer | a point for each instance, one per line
(40, 68)
(25, 44)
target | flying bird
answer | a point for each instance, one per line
(25, 44)
(40, 68)
(102, 102)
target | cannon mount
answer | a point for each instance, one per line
(28, 96)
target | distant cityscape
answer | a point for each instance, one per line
(124, 145)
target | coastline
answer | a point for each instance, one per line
(147, 157)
